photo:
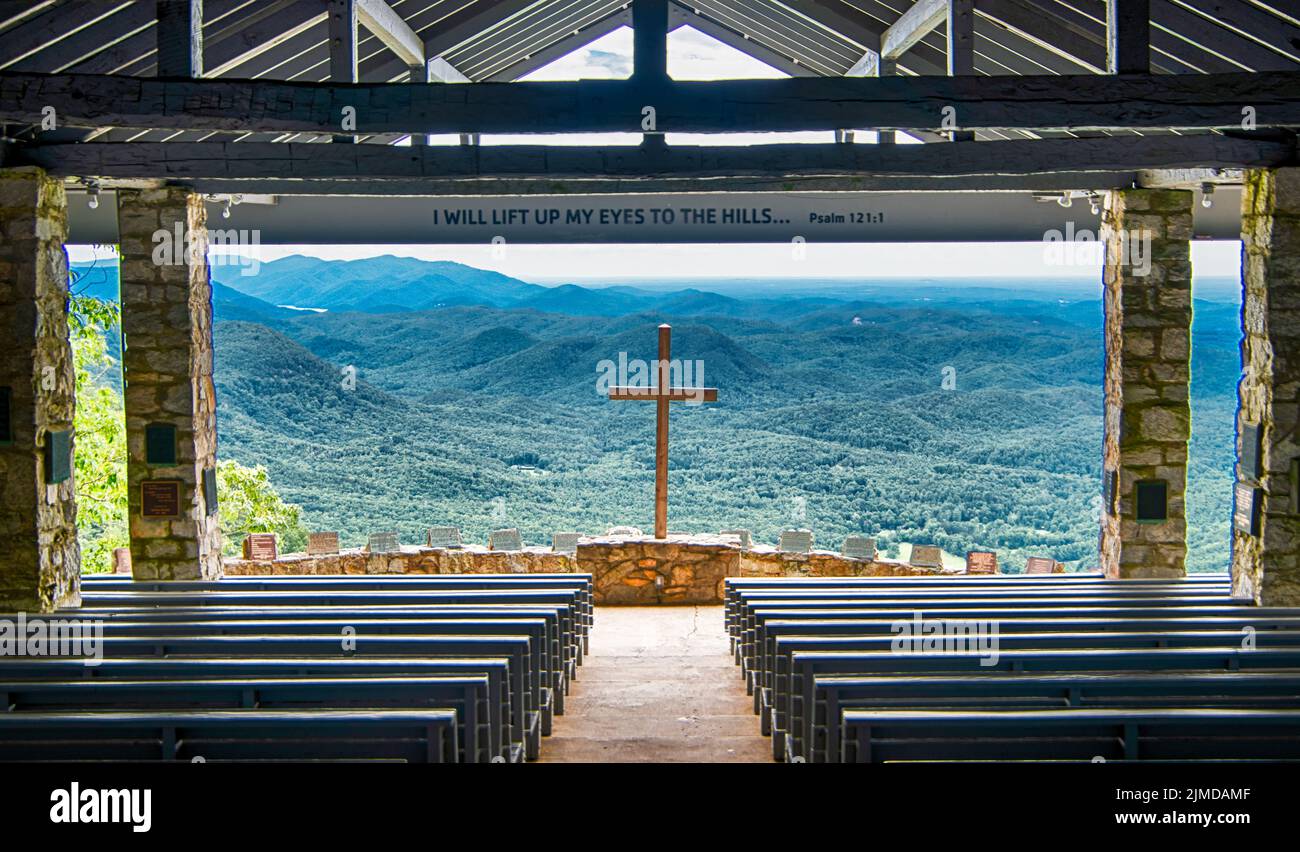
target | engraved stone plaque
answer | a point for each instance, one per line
(926, 556)
(1245, 509)
(1040, 565)
(796, 541)
(565, 542)
(383, 542)
(445, 537)
(507, 539)
(322, 543)
(859, 547)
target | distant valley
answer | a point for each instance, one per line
(475, 404)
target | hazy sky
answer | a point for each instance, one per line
(695, 56)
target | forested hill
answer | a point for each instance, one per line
(483, 411)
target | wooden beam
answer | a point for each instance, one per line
(1128, 36)
(961, 37)
(180, 38)
(468, 22)
(961, 49)
(1082, 102)
(650, 40)
(343, 22)
(182, 161)
(390, 28)
(914, 25)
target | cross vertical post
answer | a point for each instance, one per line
(663, 393)
(661, 432)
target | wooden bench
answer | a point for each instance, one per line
(835, 694)
(416, 736)
(877, 736)
(551, 662)
(758, 654)
(478, 721)
(508, 738)
(795, 690)
(582, 583)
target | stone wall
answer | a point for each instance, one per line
(1147, 376)
(770, 562)
(40, 559)
(1266, 567)
(410, 560)
(167, 366)
(633, 571)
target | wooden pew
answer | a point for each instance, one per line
(478, 721)
(1037, 691)
(417, 736)
(795, 690)
(565, 645)
(875, 736)
(582, 583)
(507, 738)
(551, 663)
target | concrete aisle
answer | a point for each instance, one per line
(658, 687)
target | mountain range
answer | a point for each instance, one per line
(476, 404)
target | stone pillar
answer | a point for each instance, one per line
(1148, 307)
(40, 560)
(1266, 548)
(171, 425)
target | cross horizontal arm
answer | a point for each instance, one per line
(653, 394)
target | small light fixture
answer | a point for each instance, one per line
(1094, 204)
(1207, 195)
(92, 194)
(1065, 200)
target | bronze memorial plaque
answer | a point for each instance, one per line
(260, 547)
(160, 498)
(1040, 565)
(981, 562)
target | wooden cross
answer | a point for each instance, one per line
(662, 393)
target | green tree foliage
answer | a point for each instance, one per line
(248, 500)
(100, 429)
(250, 504)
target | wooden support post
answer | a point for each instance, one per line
(886, 68)
(1128, 36)
(40, 560)
(650, 41)
(961, 50)
(1147, 421)
(343, 53)
(419, 75)
(1266, 517)
(661, 432)
(180, 38)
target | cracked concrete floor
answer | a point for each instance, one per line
(658, 687)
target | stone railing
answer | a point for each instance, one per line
(629, 570)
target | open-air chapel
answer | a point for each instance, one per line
(143, 125)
